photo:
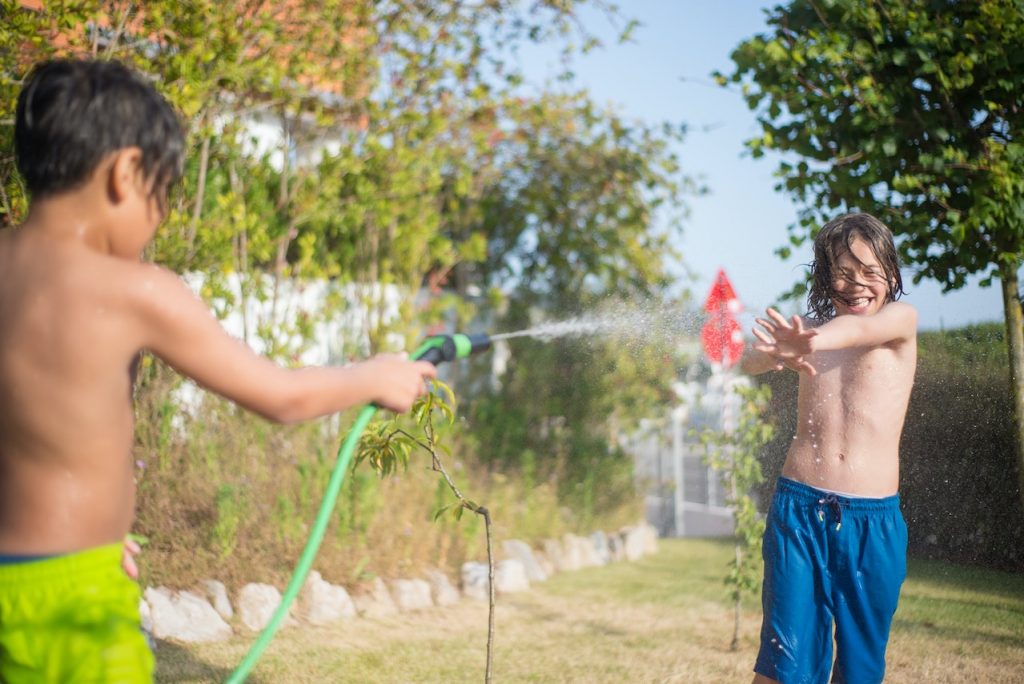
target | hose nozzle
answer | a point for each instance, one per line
(440, 348)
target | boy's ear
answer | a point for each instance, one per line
(125, 173)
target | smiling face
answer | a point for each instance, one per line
(859, 285)
(856, 268)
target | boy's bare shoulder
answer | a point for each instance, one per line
(903, 312)
(157, 291)
(903, 307)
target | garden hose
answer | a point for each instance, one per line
(435, 349)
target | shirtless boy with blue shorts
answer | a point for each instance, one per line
(835, 543)
(97, 148)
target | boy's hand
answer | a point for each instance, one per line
(399, 381)
(789, 342)
(128, 552)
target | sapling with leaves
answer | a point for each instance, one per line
(387, 446)
(734, 454)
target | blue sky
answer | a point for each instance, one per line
(664, 75)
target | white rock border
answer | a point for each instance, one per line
(207, 614)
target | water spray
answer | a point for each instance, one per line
(436, 349)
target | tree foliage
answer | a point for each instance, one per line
(400, 147)
(909, 109)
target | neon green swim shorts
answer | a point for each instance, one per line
(72, 618)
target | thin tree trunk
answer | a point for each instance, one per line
(488, 528)
(737, 608)
(197, 209)
(491, 600)
(734, 491)
(241, 252)
(1015, 346)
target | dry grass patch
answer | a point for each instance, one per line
(664, 619)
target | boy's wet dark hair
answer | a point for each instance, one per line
(832, 241)
(72, 114)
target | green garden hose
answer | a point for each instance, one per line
(436, 349)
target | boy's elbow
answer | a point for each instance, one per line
(283, 415)
(291, 410)
(284, 407)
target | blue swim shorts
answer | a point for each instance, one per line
(829, 558)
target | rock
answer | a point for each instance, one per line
(474, 581)
(600, 542)
(184, 616)
(256, 605)
(522, 552)
(582, 551)
(441, 590)
(411, 594)
(510, 577)
(146, 623)
(639, 540)
(572, 556)
(632, 545)
(376, 602)
(544, 562)
(322, 603)
(616, 547)
(217, 594)
(145, 616)
(650, 537)
(557, 555)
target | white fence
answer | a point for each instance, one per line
(684, 497)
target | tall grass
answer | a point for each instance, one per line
(224, 494)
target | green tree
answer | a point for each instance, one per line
(405, 132)
(912, 110)
(569, 225)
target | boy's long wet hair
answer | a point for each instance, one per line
(835, 239)
(72, 114)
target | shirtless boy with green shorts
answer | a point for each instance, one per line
(97, 148)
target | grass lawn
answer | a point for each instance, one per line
(662, 619)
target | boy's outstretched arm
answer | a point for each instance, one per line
(790, 340)
(755, 362)
(179, 328)
(895, 322)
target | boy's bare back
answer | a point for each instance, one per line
(73, 321)
(66, 346)
(77, 307)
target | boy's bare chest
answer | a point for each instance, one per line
(860, 381)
